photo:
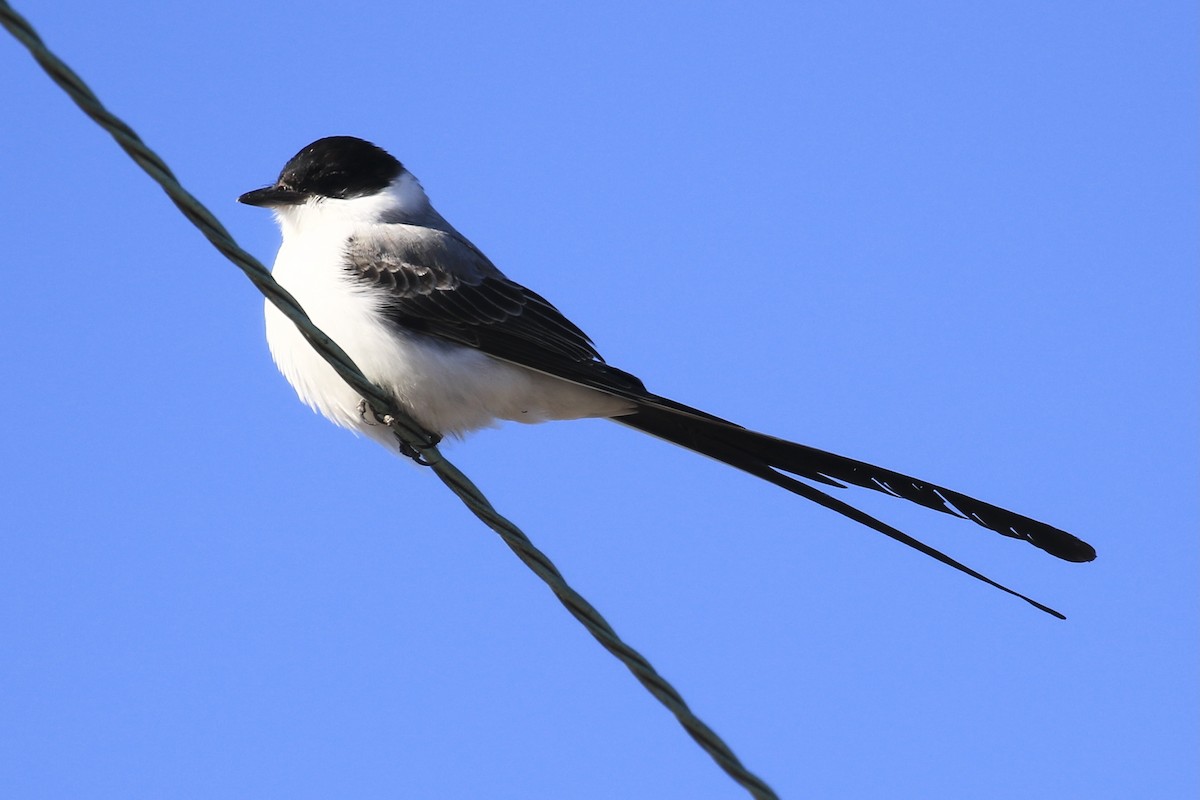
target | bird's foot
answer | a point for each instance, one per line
(406, 449)
(363, 408)
(414, 453)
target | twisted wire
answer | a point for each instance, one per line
(408, 430)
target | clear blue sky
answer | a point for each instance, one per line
(956, 239)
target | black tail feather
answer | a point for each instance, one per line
(687, 426)
(762, 455)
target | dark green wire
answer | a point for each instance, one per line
(408, 430)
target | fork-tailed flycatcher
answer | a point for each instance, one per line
(457, 345)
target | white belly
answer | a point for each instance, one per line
(446, 388)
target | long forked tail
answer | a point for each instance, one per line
(768, 457)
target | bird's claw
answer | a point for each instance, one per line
(363, 408)
(416, 455)
(406, 449)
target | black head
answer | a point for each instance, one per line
(341, 167)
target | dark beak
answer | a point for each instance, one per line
(270, 196)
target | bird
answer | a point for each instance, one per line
(459, 346)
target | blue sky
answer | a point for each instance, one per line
(958, 240)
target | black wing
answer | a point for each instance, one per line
(441, 285)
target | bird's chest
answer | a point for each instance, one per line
(311, 271)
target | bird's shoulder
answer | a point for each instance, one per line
(415, 259)
(437, 282)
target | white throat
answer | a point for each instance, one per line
(403, 200)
